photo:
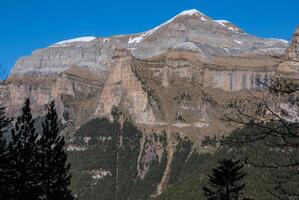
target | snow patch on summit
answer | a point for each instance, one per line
(80, 39)
(222, 22)
(190, 12)
(142, 36)
(136, 39)
(227, 25)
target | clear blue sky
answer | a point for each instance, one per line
(26, 25)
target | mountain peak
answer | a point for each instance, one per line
(191, 12)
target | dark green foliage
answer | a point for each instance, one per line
(194, 161)
(53, 170)
(147, 186)
(208, 141)
(35, 166)
(275, 114)
(23, 181)
(109, 148)
(115, 113)
(180, 157)
(127, 157)
(180, 118)
(4, 163)
(115, 149)
(100, 153)
(184, 97)
(97, 128)
(259, 181)
(4, 123)
(224, 182)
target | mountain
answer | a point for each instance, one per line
(189, 30)
(190, 47)
(171, 84)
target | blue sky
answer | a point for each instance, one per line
(26, 25)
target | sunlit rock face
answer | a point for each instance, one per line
(233, 81)
(122, 88)
(290, 61)
(176, 75)
(189, 30)
(58, 57)
(195, 31)
(75, 85)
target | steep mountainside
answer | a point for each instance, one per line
(258, 181)
(114, 160)
(145, 74)
(174, 80)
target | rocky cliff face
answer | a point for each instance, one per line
(59, 57)
(190, 30)
(149, 74)
(122, 88)
(290, 61)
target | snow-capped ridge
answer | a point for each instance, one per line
(221, 21)
(190, 12)
(141, 37)
(228, 25)
(79, 39)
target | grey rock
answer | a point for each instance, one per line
(189, 30)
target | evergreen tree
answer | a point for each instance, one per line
(224, 181)
(4, 163)
(52, 158)
(23, 181)
(115, 113)
(4, 122)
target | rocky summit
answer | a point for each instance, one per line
(174, 79)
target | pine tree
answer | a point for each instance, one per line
(224, 181)
(4, 163)
(4, 123)
(54, 170)
(23, 181)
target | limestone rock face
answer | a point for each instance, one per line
(57, 58)
(175, 76)
(122, 88)
(195, 31)
(190, 94)
(189, 30)
(69, 89)
(291, 59)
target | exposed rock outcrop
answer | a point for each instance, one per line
(57, 58)
(187, 67)
(291, 59)
(122, 88)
